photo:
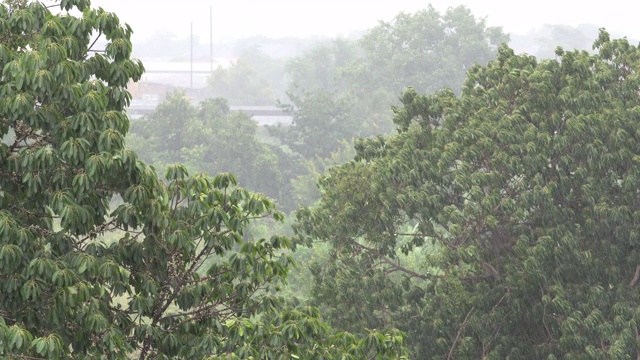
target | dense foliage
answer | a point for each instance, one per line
(101, 259)
(211, 139)
(499, 221)
(62, 123)
(518, 200)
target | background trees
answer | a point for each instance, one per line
(519, 200)
(253, 78)
(209, 138)
(344, 89)
(428, 50)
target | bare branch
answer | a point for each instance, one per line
(90, 48)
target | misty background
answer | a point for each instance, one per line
(172, 39)
(312, 76)
(283, 18)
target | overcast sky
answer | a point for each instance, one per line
(233, 19)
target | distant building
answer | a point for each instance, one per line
(175, 75)
(161, 77)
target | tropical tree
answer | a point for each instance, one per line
(320, 124)
(519, 199)
(163, 129)
(99, 258)
(62, 123)
(194, 289)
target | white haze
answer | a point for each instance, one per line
(233, 19)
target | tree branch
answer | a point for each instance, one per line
(90, 48)
(460, 331)
(395, 265)
(634, 281)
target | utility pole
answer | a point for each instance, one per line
(191, 55)
(211, 37)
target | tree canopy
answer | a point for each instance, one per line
(101, 259)
(428, 50)
(212, 139)
(343, 89)
(498, 223)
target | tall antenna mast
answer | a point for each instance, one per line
(211, 37)
(191, 55)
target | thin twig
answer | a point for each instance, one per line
(460, 331)
(394, 265)
(94, 42)
(634, 281)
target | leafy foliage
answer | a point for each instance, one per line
(320, 124)
(175, 279)
(520, 198)
(212, 139)
(62, 123)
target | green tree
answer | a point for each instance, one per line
(328, 101)
(305, 187)
(428, 50)
(166, 274)
(193, 288)
(252, 79)
(62, 124)
(322, 67)
(320, 123)
(164, 127)
(520, 198)
(212, 139)
(344, 89)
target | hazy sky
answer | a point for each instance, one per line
(275, 18)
